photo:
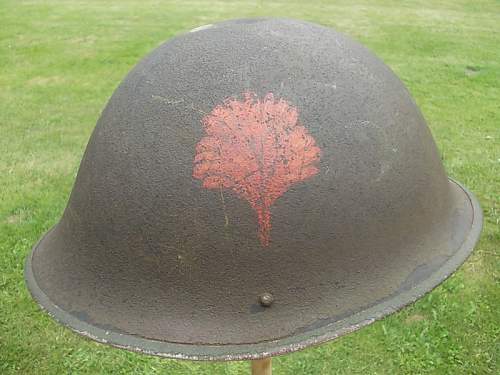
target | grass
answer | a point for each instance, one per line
(61, 60)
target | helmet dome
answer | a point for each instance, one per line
(251, 188)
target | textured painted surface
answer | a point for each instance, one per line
(257, 149)
(143, 258)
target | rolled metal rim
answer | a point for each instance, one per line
(234, 352)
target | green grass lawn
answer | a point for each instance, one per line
(61, 60)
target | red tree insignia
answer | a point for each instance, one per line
(257, 148)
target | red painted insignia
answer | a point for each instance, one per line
(256, 148)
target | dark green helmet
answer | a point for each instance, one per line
(252, 188)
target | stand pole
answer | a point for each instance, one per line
(262, 367)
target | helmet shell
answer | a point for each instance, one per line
(252, 157)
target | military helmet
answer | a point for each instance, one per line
(251, 188)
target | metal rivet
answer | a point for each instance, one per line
(266, 299)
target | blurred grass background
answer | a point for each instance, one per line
(61, 60)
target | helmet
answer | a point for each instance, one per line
(251, 188)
